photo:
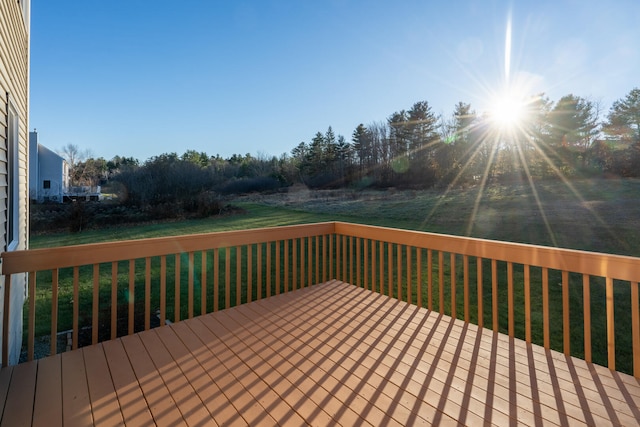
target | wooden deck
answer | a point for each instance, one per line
(326, 355)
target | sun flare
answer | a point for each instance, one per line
(507, 111)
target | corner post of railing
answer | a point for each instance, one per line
(5, 320)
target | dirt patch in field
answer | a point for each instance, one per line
(600, 215)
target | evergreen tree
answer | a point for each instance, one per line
(624, 118)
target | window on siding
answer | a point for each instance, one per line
(46, 184)
(12, 179)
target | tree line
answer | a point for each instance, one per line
(413, 148)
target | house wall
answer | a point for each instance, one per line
(14, 96)
(46, 165)
(51, 167)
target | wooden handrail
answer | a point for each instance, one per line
(97, 253)
(619, 267)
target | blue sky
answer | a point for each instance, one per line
(140, 78)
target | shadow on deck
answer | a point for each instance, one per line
(329, 354)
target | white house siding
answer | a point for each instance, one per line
(46, 165)
(14, 95)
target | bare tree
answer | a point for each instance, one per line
(73, 155)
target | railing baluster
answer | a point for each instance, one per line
(566, 338)
(203, 282)
(399, 272)
(190, 284)
(390, 268)
(452, 270)
(409, 275)
(359, 264)
(345, 249)
(238, 275)
(329, 255)
(54, 309)
(480, 294)
(465, 273)
(32, 313)
(419, 276)
(366, 263)
(259, 278)
(430, 279)
(131, 299)
(147, 293)
(317, 278)
(294, 274)
(586, 309)
(527, 303)
(277, 266)
(227, 277)
(114, 300)
(310, 261)
(76, 306)
(374, 265)
(441, 281)
(249, 273)
(611, 331)
(163, 289)
(95, 302)
(381, 246)
(494, 293)
(269, 269)
(176, 290)
(635, 328)
(510, 303)
(545, 307)
(350, 264)
(301, 277)
(216, 279)
(285, 287)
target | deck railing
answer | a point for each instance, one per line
(581, 303)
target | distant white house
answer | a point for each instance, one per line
(48, 173)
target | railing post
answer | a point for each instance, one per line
(5, 320)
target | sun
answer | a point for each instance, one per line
(507, 111)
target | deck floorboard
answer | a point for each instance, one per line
(330, 354)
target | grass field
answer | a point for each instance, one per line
(595, 215)
(601, 215)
